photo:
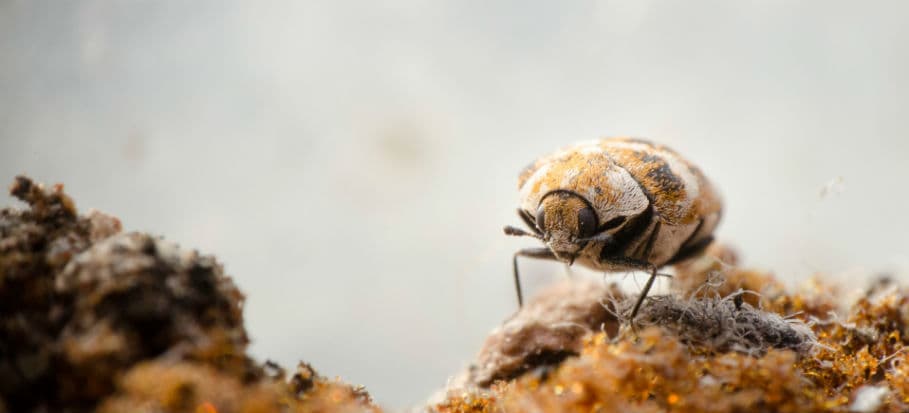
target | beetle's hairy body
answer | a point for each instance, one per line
(666, 206)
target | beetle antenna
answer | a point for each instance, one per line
(517, 232)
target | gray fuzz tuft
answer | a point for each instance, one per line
(722, 324)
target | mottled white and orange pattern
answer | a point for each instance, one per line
(652, 206)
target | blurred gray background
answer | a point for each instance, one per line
(352, 163)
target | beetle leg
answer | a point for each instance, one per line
(643, 295)
(653, 272)
(641, 264)
(540, 252)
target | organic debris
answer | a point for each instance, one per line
(717, 274)
(92, 319)
(724, 324)
(544, 332)
(736, 341)
(162, 386)
(35, 245)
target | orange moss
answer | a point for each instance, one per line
(193, 387)
(94, 319)
(859, 363)
(656, 372)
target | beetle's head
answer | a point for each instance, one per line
(565, 221)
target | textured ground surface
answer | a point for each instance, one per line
(727, 340)
(94, 319)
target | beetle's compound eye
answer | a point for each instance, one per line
(587, 223)
(541, 217)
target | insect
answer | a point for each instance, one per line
(616, 204)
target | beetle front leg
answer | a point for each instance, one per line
(643, 295)
(540, 252)
(632, 263)
(648, 248)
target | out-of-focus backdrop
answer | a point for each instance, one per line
(352, 163)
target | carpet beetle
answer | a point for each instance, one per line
(616, 204)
